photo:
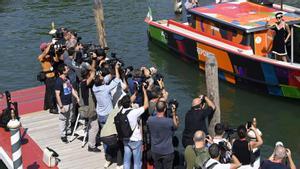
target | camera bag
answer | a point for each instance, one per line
(110, 140)
(41, 76)
(50, 157)
(86, 111)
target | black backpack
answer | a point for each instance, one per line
(122, 125)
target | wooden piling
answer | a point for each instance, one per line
(99, 19)
(212, 86)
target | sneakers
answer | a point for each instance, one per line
(69, 132)
(119, 167)
(53, 111)
(107, 164)
(95, 150)
(64, 139)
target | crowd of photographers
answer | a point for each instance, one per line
(129, 111)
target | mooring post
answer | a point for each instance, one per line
(15, 139)
(212, 86)
(177, 6)
(99, 19)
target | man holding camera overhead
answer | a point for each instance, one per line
(196, 118)
(161, 131)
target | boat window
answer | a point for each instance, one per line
(222, 31)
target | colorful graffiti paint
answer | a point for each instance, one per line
(244, 72)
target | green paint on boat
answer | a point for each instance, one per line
(290, 91)
(158, 34)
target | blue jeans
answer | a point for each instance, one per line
(102, 120)
(133, 148)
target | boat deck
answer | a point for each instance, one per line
(43, 128)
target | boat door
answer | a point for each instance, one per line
(295, 44)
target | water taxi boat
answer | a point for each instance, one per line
(235, 33)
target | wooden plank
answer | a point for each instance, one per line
(43, 127)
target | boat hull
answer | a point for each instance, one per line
(260, 75)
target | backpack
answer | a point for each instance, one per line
(122, 125)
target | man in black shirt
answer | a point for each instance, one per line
(195, 119)
(64, 92)
(277, 159)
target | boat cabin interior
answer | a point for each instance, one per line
(245, 23)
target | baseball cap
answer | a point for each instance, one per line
(43, 46)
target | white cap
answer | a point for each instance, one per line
(279, 143)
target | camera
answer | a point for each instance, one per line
(202, 99)
(249, 124)
(157, 77)
(169, 112)
(225, 153)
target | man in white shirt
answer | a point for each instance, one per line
(133, 145)
(213, 163)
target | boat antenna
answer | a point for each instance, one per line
(53, 30)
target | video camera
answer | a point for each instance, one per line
(85, 55)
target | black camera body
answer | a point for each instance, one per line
(249, 124)
(169, 112)
(157, 77)
(225, 153)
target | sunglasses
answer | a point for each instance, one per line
(279, 17)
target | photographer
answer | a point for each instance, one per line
(161, 131)
(47, 64)
(219, 135)
(195, 155)
(195, 118)
(243, 149)
(133, 145)
(277, 159)
(103, 96)
(214, 163)
(87, 105)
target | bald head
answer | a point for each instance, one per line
(199, 136)
(196, 102)
(279, 152)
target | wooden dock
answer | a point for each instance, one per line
(43, 128)
(40, 129)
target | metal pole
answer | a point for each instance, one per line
(292, 44)
(15, 140)
(281, 5)
(212, 86)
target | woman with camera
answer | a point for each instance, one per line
(243, 149)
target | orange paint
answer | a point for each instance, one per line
(222, 58)
(263, 42)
